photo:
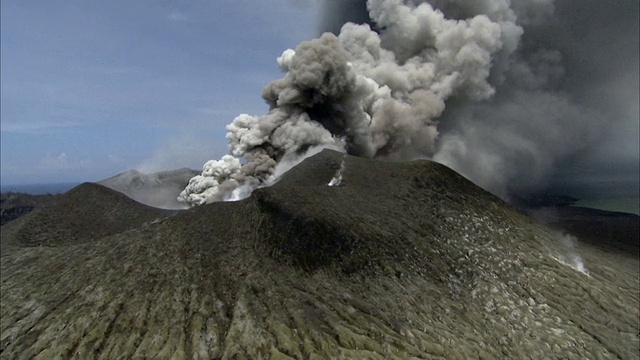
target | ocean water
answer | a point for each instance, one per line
(622, 204)
(39, 189)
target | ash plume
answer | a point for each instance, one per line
(571, 84)
(472, 84)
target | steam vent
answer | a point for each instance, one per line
(398, 260)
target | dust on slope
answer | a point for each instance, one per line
(403, 260)
(160, 189)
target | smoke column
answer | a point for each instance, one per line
(450, 80)
(337, 178)
(571, 257)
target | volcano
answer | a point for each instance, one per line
(397, 260)
(160, 189)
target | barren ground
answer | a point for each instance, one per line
(403, 260)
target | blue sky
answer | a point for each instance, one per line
(94, 88)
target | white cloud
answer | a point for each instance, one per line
(35, 127)
(178, 16)
(115, 160)
(62, 163)
(65, 166)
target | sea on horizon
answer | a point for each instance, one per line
(629, 205)
(39, 189)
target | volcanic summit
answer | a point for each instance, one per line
(398, 260)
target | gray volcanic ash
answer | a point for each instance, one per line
(492, 88)
(160, 189)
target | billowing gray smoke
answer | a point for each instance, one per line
(452, 80)
(562, 100)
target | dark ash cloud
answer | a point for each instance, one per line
(505, 92)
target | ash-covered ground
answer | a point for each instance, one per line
(397, 260)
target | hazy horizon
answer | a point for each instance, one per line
(628, 202)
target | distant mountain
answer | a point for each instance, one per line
(159, 189)
(88, 212)
(401, 260)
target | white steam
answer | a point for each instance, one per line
(337, 178)
(570, 256)
(208, 185)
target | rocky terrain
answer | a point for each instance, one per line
(13, 205)
(399, 260)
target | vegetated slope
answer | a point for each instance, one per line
(403, 260)
(14, 205)
(87, 212)
(159, 189)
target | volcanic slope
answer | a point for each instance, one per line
(159, 189)
(14, 205)
(87, 212)
(401, 260)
